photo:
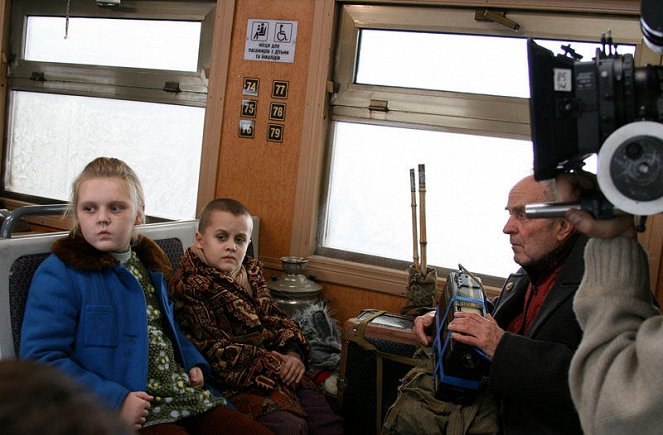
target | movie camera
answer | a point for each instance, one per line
(606, 106)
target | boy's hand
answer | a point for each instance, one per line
(292, 367)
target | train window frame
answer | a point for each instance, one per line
(159, 86)
(352, 101)
(139, 84)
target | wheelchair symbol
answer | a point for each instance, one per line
(281, 35)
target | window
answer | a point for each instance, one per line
(124, 81)
(165, 45)
(497, 65)
(436, 87)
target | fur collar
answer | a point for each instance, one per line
(75, 252)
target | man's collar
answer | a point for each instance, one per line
(552, 262)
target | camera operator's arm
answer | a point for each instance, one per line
(616, 375)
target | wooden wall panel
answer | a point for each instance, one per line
(259, 173)
(347, 302)
(652, 240)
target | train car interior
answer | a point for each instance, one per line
(371, 139)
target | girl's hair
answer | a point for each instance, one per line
(107, 167)
(229, 205)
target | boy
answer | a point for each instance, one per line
(256, 352)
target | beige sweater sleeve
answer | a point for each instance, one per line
(616, 375)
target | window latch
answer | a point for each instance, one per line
(108, 3)
(37, 76)
(496, 17)
(172, 87)
(378, 105)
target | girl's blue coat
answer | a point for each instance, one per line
(86, 314)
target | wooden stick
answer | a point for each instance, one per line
(422, 216)
(415, 241)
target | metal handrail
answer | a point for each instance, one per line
(28, 210)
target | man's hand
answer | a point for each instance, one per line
(572, 187)
(605, 228)
(476, 330)
(292, 367)
(423, 325)
(134, 409)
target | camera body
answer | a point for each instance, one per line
(577, 108)
(576, 105)
(458, 367)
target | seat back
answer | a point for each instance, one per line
(20, 257)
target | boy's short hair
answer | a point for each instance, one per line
(230, 205)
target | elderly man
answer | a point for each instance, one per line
(532, 333)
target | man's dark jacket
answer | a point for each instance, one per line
(531, 371)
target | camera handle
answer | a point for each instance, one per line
(600, 208)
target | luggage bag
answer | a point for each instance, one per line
(377, 350)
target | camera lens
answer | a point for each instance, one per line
(651, 24)
(633, 150)
(637, 168)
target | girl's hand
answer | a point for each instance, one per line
(197, 377)
(134, 408)
(292, 367)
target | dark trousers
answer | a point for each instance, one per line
(220, 420)
(320, 419)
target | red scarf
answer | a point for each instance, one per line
(536, 294)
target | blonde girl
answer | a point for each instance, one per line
(98, 310)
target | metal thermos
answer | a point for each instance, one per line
(293, 291)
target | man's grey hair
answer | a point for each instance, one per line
(551, 191)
